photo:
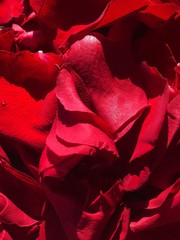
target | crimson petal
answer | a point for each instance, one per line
(10, 9)
(6, 39)
(27, 69)
(106, 75)
(158, 94)
(167, 213)
(76, 131)
(19, 224)
(31, 117)
(114, 10)
(96, 216)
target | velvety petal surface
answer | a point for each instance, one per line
(29, 117)
(76, 132)
(17, 223)
(27, 69)
(166, 206)
(108, 80)
(10, 9)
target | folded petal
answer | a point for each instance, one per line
(94, 219)
(114, 10)
(158, 93)
(18, 224)
(166, 205)
(76, 132)
(65, 14)
(16, 182)
(157, 13)
(109, 81)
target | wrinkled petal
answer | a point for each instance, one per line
(110, 88)
(76, 131)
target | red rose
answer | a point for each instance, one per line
(89, 120)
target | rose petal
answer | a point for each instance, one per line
(158, 94)
(108, 81)
(156, 13)
(132, 182)
(27, 69)
(96, 216)
(10, 214)
(173, 119)
(18, 224)
(31, 117)
(76, 131)
(167, 213)
(168, 232)
(68, 13)
(33, 39)
(17, 182)
(10, 9)
(6, 39)
(60, 14)
(113, 11)
(4, 234)
(151, 47)
(51, 228)
(169, 166)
